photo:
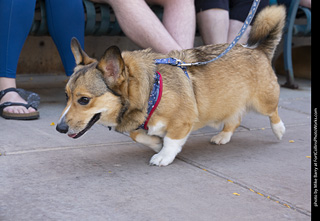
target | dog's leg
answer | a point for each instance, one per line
(225, 135)
(141, 136)
(172, 145)
(277, 125)
(266, 103)
(169, 151)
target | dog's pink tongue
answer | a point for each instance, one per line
(72, 135)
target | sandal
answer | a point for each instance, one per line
(33, 100)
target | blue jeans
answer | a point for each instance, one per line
(65, 20)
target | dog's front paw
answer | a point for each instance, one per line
(161, 159)
(221, 138)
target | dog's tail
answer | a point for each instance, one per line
(267, 29)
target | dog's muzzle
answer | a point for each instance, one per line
(62, 127)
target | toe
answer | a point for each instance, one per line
(31, 110)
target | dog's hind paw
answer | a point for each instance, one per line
(221, 138)
(161, 159)
(278, 129)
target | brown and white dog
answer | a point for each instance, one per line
(115, 90)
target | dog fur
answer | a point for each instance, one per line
(115, 90)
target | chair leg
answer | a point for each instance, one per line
(290, 81)
(287, 56)
(287, 51)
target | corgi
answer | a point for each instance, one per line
(160, 105)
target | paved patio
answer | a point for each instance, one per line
(104, 175)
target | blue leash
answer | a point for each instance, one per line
(174, 62)
(183, 65)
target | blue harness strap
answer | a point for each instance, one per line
(154, 99)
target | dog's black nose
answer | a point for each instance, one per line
(62, 127)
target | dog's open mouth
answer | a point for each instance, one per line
(93, 120)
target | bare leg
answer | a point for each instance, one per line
(179, 19)
(234, 28)
(214, 25)
(143, 27)
(306, 3)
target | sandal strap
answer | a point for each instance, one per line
(11, 89)
(8, 104)
(33, 99)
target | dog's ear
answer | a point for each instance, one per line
(79, 55)
(112, 65)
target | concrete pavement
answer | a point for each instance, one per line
(104, 175)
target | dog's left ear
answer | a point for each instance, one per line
(79, 55)
(112, 65)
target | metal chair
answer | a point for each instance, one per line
(292, 29)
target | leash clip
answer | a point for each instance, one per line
(181, 64)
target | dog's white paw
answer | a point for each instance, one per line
(169, 151)
(161, 159)
(278, 129)
(221, 138)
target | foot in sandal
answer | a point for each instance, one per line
(19, 104)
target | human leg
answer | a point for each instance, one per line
(179, 19)
(66, 20)
(15, 22)
(234, 28)
(239, 10)
(213, 20)
(141, 25)
(306, 3)
(213, 25)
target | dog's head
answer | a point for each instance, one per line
(94, 91)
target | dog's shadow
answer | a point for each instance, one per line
(132, 158)
(200, 149)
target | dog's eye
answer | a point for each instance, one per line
(67, 97)
(84, 100)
